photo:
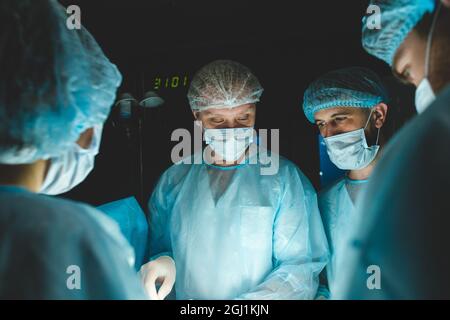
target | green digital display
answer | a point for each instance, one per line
(170, 82)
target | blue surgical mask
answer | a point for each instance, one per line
(425, 95)
(71, 168)
(231, 143)
(349, 151)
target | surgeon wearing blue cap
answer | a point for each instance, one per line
(56, 91)
(399, 250)
(349, 107)
(228, 230)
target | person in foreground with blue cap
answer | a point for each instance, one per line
(349, 107)
(233, 231)
(399, 250)
(56, 87)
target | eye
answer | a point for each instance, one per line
(244, 118)
(320, 125)
(340, 119)
(216, 120)
(406, 74)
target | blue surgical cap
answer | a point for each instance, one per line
(398, 18)
(223, 84)
(54, 82)
(351, 87)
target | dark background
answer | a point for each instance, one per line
(287, 44)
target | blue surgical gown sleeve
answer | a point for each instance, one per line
(300, 249)
(133, 225)
(49, 243)
(160, 244)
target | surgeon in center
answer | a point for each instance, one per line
(222, 230)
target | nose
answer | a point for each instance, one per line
(230, 124)
(329, 130)
(324, 131)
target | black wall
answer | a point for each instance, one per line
(287, 44)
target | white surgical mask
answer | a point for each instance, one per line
(71, 168)
(349, 151)
(231, 143)
(424, 95)
(424, 92)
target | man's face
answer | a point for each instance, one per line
(238, 117)
(338, 120)
(409, 61)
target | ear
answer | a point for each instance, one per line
(380, 114)
(197, 120)
(85, 139)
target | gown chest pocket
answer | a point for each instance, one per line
(256, 226)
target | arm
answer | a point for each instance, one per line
(160, 244)
(80, 254)
(161, 267)
(300, 249)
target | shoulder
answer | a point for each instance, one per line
(287, 172)
(178, 170)
(284, 165)
(331, 189)
(328, 197)
(425, 131)
(41, 207)
(41, 216)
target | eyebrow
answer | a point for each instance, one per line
(212, 114)
(397, 72)
(341, 113)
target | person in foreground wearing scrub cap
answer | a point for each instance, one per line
(56, 87)
(399, 250)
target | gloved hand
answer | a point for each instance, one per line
(160, 271)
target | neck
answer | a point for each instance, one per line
(28, 176)
(222, 163)
(364, 173)
(218, 161)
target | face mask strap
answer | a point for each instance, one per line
(430, 40)
(378, 136)
(368, 120)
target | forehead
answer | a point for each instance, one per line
(332, 112)
(229, 111)
(404, 55)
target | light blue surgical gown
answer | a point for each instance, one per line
(133, 225)
(46, 243)
(337, 207)
(235, 233)
(406, 208)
